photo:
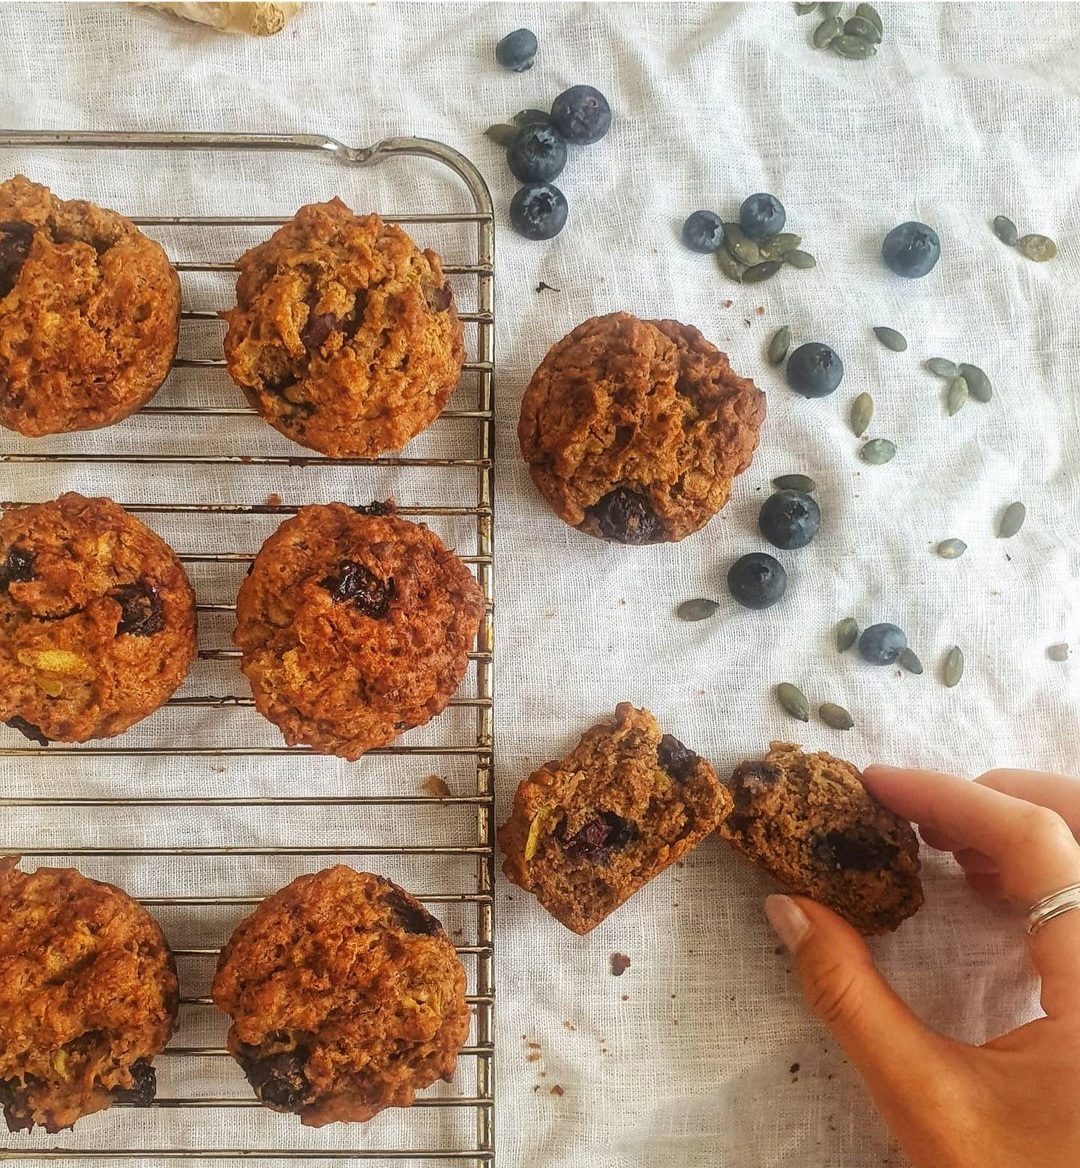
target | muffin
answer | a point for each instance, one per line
(88, 997)
(97, 620)
(89, 313)
(808, 820)
(633, 429)
(344, 336)
(586, 832)
(345, 997)
(354, 625)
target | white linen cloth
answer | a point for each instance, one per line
(968, 111)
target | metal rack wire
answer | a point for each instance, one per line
(36, 820)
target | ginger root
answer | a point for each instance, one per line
(255, 19)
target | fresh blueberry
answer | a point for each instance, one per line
(703, 231)
(882, 644)
(581, 114)
(789, 519)
(762, 215)
(537, 154)
(814, 370)
(538, 211)
(517, 50)
(757, 580)
(911, 250)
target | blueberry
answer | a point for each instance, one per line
(581, 114)
(703, 231)
(789, 519)
(537, 154)
(882, 644)
(538, 211)
(911, 250)
(814, 370)
(626, 516)
(762, 215)
(358, 583)
(757, 580)
(517, 50)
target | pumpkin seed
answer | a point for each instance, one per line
(795, 482)
(891, 339)
(501, 133)
(1005, 230)
(956, 396)
(793, 700)
(1012, 520)
(779, 345)
(805, 9)
(829, 9)
(941, 367)
(1039, 248)
(532, 117)
(1058, 652)
(847, 633)
(859, 26)
(836, 716)
(878, 451)
(741, 246)
(853, 47)
(909, 661)
(757, 273)
(862, 413)
(695, 610)
(777, 246)
(827, 31)
(870, 13)
(951, 549)
(953, 668)
(729, 265)
(800, 259)
(978, 383)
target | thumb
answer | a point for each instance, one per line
(892, 1049)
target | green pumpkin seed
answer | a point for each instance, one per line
(953, 669)
(1058, 652)
(778, 346)
(878, 451)
(978, 383)
(805, 9)
(1005, 230)
(827, 31)
(829, 9)
(909, 661)
(729, 265)
(859, 26)
(956, 395)
(1012, 520)
(532, 117)
(757, 273)
(501, 133)
(836, 716)
(870, 13)
(951, 549)
(847, 633)
(695, 610)
(940, 367)
(862, 413)
(793, 700)
(1039, 248)
(741, 246)
(853, 47)
(795, 482)
(777, 246)
(891, 339)
(800, 259)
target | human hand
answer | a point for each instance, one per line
(1015, 1101)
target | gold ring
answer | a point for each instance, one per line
(1051, 907)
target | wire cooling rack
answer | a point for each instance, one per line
(145, 810)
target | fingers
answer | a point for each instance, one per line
(1058, 792)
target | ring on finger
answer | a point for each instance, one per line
(1051, 907)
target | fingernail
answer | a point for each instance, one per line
(789, 921)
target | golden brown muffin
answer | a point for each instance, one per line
(344, 336)
(88, 997)
(808, 820)
(586, 832)
(345, 997)
(633, 429)
(89, 313)
(97, 620)
(354, 626)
